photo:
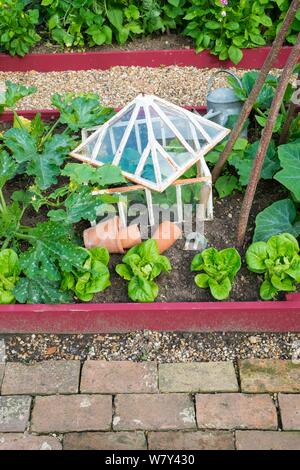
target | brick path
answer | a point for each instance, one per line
(126, 405)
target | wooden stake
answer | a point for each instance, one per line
(248, 105)
(264, 142)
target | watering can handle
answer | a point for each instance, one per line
(212, 78)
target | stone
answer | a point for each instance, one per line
(119, 377)
(290, 411)
(235, 411)
(198, 377)
(154, 412)
(122, 440)
(267, 440)
(269, 376)
(66, 413)
(43, 378)
(27, 441)
(191, 440)
(14, 413)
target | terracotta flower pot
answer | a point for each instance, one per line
(166, 235)
(112, 236)
(104, 234)
(129, 236)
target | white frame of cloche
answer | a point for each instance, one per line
(146, 101)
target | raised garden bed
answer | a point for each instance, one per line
(253, 59)
(183, 315)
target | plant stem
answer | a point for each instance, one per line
(49, 133)
(260, 112)
(5, 243)
(247, 108)
(264, 142)
(24, 237)
(17, 118)
(3, 203)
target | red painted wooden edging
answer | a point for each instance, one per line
(253, 59)
(120, 318)
(50, 114)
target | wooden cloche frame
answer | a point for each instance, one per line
(148, 104)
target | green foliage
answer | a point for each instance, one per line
(227, 29)
(278, 259)
(91, 277)
(54, 267)
(279, 217)
(82, 111)
(18, 26)
(14, 92)
(265, 97)
(51, 264)
(243, 161)
(9, 275)
(224, 29)
(80, 203)
(141, 265)
(43, 165)
(289, 176)
(226, 184)
(219, 270)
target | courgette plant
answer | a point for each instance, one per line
(51, 263)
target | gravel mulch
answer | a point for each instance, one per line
(118, 85)
(151, 345)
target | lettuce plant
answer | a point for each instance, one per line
(279, 260)
(219, 270)
(90, 278)
(140, 266)
(9, 275)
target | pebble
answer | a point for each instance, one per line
(151, 346)
(119, 85)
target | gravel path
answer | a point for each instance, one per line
(117, 86)
(151, 345)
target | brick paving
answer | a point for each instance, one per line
(137, 406)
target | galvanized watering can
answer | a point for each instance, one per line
(223, 102)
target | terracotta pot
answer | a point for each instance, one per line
(130, 236)
(166, 235)
(104, 234)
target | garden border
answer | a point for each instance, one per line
(253, 59)
(121, 318)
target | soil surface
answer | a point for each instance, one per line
(178, 285)
(161, 41)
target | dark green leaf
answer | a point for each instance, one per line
(280, 217)
(40, 291)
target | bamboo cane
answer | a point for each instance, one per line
(264, 142)
(248, 105)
